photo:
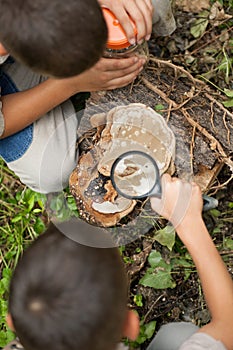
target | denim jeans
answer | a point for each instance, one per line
(14, 146)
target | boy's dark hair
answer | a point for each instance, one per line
(67, 296)
(55, 37)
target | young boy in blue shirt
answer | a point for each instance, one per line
(60, 39)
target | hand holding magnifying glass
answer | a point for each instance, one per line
(135, 175)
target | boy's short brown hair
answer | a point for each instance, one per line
(67, 296)
(61, 38)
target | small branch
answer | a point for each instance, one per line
(177, 68)
(215, 144)
(228, 130)
(211, 98)
(218, 187)
(212, 115)
(152, 306)
(211, 40)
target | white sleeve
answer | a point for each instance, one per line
(202, 341)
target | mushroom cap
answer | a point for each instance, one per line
(136, 127)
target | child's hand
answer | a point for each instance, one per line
(107, 74)
(140, 11)
(181, 201)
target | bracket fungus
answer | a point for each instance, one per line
(124, 128)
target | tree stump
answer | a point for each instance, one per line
(203, 128)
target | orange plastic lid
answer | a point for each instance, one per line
(116, 34)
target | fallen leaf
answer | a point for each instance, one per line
(193, 6)
(217, 14)
(200, 24)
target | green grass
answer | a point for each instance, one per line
(23, 216)
(22, 219)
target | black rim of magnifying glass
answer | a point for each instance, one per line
(124, 155)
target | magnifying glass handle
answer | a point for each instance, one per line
(157, 190)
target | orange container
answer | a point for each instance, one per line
(117, 44)
(117, 39)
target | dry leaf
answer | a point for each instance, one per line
(217, 13)
(193, 6)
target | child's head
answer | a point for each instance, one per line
(67, 296)
(58, 38)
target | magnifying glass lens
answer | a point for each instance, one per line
(134, 174)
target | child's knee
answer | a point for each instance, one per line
(45, 177)
(50, 157)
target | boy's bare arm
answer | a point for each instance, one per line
(23, 108)
(216, 282)
(139, 10)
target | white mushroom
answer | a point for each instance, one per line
(121, 204)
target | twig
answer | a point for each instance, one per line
(212, 115)
(215, 144)
(158, 92)
(226, 252)
(189, 75)
(212, 40)
(226, 126)
(179, 68)
(211, 98)
(152, 306)
(216, 188)
(169, 112)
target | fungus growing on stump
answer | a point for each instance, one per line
(131, 127)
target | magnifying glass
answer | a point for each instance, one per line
(135, 175)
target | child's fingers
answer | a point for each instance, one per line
(157, 204)
(115, 65)
(145, 27)
(180, 199)
(123, 79)
(140, 11)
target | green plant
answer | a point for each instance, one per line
(146, 332)
(22, 218)
(6, 335)
(138, 300)
(158, 275)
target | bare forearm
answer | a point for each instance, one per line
(23, 108)
(216, 281)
